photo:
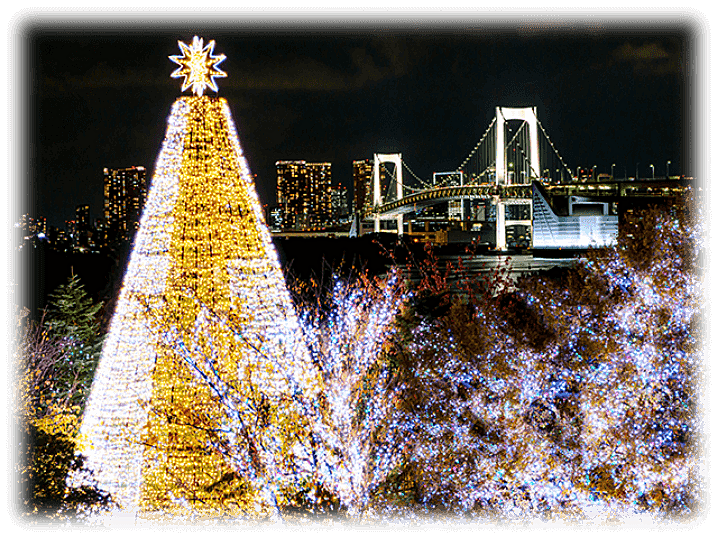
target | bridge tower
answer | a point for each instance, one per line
(379, 159)
(528, 115)
(503, 114)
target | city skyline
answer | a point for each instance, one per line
(605, 94)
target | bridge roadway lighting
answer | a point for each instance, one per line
(653, 172)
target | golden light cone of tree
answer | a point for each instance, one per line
(202, 246)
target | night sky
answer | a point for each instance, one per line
(98, 95)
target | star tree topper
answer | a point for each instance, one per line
(198, 66)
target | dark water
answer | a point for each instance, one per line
(304, 258)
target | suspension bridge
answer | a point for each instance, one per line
(511, 176)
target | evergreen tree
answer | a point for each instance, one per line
(49, 453)
(72, 321)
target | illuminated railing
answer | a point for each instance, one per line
(621, 189)
(439, 194)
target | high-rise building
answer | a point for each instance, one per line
(304, 194)
(320, 189)
(71, 228)
(99, 233)
(83, 227)
(82, 217)
(340, 204)
(363, 187)
(125, 191)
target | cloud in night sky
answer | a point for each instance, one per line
(649, 58)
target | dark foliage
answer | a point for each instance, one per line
(48, 458)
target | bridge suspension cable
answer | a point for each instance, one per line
(425, 184)
(554, 148)
(521, 144)
(478, 146)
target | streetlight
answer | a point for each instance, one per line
(636, 178)
(653, 172)
(593, 173)
(668, 164)
(612, 167)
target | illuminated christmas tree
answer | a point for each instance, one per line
(202, 247)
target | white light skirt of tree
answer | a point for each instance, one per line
(202, 249)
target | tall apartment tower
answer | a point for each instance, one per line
(304, 194)
(125, 193)
(82, 216)
(340, 204)
(83, 227)
(363, 188)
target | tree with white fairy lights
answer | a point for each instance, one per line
(317, 450)
(570, 396)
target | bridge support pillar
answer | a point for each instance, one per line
(394, 158)
(500, 225)
(502, 222)
(527, 114)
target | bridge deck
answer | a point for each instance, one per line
(608, 190)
